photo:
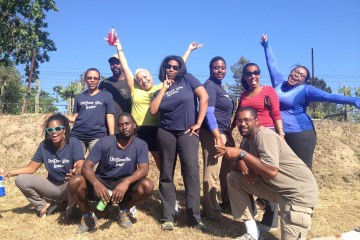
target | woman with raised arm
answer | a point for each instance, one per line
(62, 156)
(295, 95)
(142, 91)
(178, 134)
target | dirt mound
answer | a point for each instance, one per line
(336, 167)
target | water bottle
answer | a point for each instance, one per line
(2, 188)
(102, 204)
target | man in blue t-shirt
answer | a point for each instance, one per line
(122, 168)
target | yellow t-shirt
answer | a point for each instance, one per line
(140, 108)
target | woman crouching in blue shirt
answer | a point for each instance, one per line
(62, 156)
(295, 96)
(178, 134)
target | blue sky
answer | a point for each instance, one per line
(151, 30)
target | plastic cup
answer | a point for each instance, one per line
(111, 36)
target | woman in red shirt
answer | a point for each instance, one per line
(266, 102)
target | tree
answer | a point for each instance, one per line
(46, 102)
(236, 89)
(11, 90)
(22, 30)
(68, 93)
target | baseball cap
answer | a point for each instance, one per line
(114, 56)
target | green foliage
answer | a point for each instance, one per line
(321, 110)
(70, 91)
(236, 89)
(12, 90)
(46, 102)
(22, 24)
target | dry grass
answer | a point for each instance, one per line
(336, 167)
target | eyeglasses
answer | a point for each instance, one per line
(169, 66)
(249, 74)
(95, 78)
(57, 129)
(299, 73)
(245, 120)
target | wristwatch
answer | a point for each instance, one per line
(242, 154)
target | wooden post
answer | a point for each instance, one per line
(27, 94)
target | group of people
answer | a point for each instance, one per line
(120, 119)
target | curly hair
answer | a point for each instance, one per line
(182, 67)
(64, 121)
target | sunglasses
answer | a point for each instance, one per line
(169, 66)
(95, 78)
(249, 74)
(57, 129)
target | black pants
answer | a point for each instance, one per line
(172, 143)
(303, 145)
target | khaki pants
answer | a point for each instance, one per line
(295, 220)
(212, 176)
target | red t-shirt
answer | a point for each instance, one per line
(266, 117)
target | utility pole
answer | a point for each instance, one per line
(312, 77)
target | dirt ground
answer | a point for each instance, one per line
(336, 168)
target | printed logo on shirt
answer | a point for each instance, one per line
(58, 163)
(173, 91)
(119, 162)
(90, 105)
(124, 91)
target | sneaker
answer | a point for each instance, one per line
(201, 227)
(123, 219)
(168, 226)
(133, 211)
(87, 224)
(246, 236)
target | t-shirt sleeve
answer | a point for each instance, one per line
(193, 81)
(143, 153)
(38, 156)
(75, 107)
(77, 150)
(96, 152)
(110, 108)
(268, 149)
(212, 95)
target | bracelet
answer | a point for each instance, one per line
(8, 175)
(283, 134)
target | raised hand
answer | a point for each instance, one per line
(195, 45)
(264, 40)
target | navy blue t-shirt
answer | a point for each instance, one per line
(222, 102)
(59, 163)
(114, 162)
(91, 119)
(178, 106)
